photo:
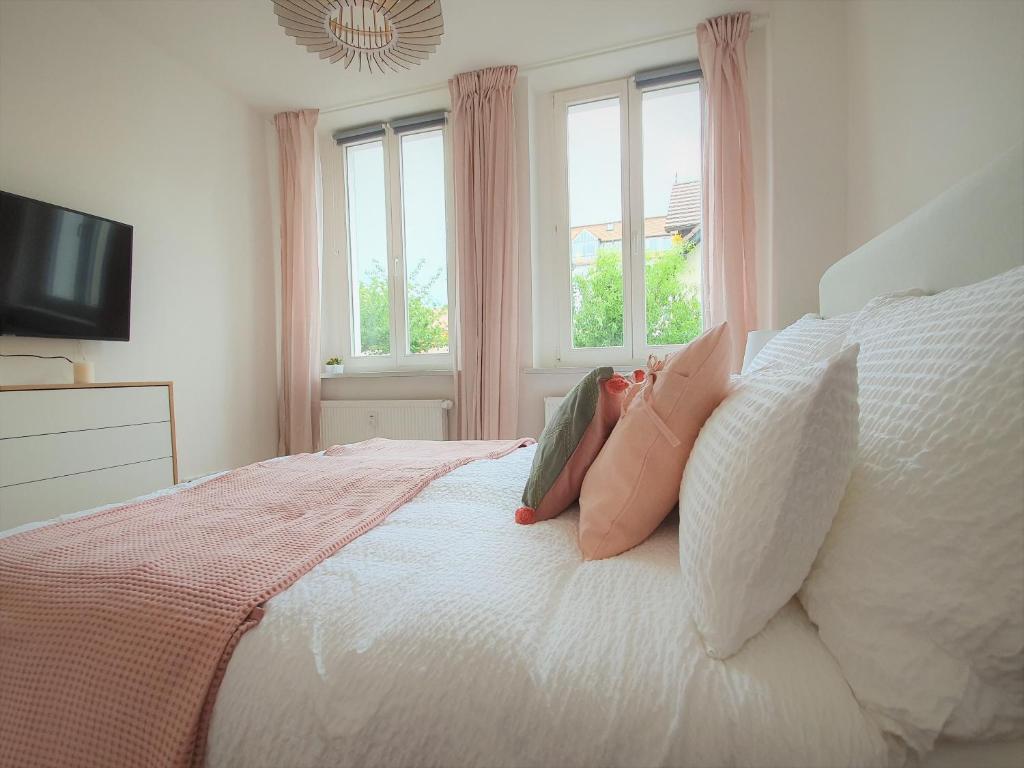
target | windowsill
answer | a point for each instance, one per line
(387, 374)
(623, 368)
(568, 370)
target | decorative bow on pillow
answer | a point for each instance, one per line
(643, 379)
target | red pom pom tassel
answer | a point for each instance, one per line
(616, 385)
(525, 516)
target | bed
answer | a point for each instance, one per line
(969, 233)
(449, 636)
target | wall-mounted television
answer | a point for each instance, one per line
(63, 273)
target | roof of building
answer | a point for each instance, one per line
(611, 232)
(683, 216)
(684, 207)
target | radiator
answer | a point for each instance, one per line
(349, 421)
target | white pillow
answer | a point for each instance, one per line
(809, 340)
(759, 493)
(919, 588)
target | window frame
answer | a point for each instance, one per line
(635, 349)
(399, 359)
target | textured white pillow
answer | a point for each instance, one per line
(918, 590)
(759, 493)
(809, 340)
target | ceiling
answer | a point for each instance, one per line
(239, 45)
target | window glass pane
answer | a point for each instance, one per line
(595, 221)
(672, 209)
(368, 247)
(425, 239)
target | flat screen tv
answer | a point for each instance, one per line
(63, 273)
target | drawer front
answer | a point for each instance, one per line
(46, 411)
(33, 502)
(28, 459)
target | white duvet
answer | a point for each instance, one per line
(450, 636)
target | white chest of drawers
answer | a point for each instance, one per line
(69, 447)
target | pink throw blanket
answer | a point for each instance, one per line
(116, 628)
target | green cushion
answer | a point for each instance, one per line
(562, 434)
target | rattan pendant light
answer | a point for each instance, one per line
(375, 35)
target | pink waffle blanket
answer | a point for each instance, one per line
(116, 627)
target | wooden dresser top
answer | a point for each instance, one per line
(94, 385)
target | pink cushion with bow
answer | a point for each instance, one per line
(634, 482)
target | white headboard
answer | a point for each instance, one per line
(970, 232)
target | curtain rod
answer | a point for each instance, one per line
(757, 20)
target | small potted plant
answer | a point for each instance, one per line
(335, 365)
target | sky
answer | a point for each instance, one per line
(422, 158)
(423, 194)
(671, 151)
(367, 212)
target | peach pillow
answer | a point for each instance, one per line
(634, 482)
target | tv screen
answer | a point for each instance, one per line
(63, 273)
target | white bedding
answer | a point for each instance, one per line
(449, 636)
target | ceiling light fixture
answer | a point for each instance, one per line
(375, 34)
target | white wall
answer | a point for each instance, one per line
(805, 218)
(936, 90)
(797, 94)
(96, 120)
(861, 112)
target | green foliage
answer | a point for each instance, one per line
(597, 302)
(673, 304)
(673, 299)
(375, 314)
(428, 322)
(335, 361)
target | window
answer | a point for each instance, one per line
(630, 218)
(398, 239)
(367, 227)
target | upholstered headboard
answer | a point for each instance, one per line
(970, 232)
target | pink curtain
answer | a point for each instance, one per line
(728, 262)
(299, 392)
(487, 279)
